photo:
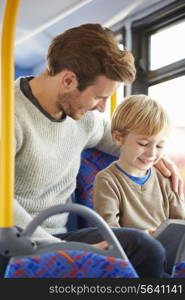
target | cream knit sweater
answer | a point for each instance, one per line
(47, 159)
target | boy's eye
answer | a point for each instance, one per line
(141, 144)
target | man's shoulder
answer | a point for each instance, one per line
(92, 124)
(19, 97)
(17, 82)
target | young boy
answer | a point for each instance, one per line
(131, 192)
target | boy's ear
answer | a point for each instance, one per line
(116, 136)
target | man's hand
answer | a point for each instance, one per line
(167, 167)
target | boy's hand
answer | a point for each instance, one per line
(169, 169)
(151, 232)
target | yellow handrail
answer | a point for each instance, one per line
(7, 114)
(113, 103)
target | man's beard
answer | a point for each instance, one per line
(64, 104)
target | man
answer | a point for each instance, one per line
(54, 122)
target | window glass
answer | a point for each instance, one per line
(171, 95)
(167, 46)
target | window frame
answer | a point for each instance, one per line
(141, 31)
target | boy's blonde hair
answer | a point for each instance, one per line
(141, 114)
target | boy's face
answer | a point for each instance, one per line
(139, 152)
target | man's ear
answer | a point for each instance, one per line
(69, 80)
(117, 138)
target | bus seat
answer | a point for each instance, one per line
(70, 259)
(68, 264)
(77, 264)
(178, 270)
(92, 161)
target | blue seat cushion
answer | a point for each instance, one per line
(70, 263)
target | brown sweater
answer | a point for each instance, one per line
(123, 203)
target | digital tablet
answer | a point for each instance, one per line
(170, 228)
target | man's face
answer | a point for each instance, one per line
(76, 103)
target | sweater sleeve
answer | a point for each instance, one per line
(173, 204)
(100, 136)
(106, 200)
(22, 219)
(106, 143)
(177, 206)
(18, 137)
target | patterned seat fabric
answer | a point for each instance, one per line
(92, 161)
(70, 263)
(179, 270)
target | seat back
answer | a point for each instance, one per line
(179, 266)
(178, 270)
(92, 161)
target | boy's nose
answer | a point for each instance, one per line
(151, 152)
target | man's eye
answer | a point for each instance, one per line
(144, 145)
(160, 147)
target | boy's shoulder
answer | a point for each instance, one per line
(107, 172)
(112, 175)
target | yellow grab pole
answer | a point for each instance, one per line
(7, 114)
(113, 103)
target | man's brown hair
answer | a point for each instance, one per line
(90, 50)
